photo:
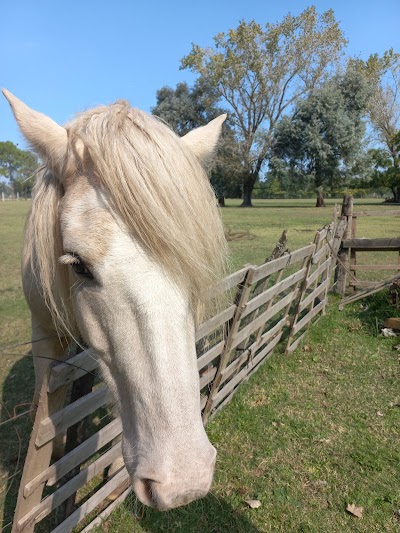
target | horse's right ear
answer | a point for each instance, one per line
(45, 136)
(202, 141)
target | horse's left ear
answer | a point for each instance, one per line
(202, 141)
(45, 136)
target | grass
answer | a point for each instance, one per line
(308, 433)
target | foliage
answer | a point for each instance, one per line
(386, 168)
(321, 144)
(261, 72)
(17, 166)
(383, 75)
(185, 108)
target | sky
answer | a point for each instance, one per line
(67, 56)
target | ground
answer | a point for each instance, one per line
(308, 434)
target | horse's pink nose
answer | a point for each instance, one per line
(179, 491)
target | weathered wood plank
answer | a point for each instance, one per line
(263, 318)
(317, 272)
(107, 511)
(73, 485)
(75, 457)
(213, 323)
(69, 415)
(323, 252)
(203, 402)
(366, 284)
(37, 459)
(207, 377)
(309, 316)
(393, 323)
(313, 295)
(243, 373)
(375, 245)
(291, 348)
(210, 355)
(87, 507)
(277, 264)
(267, 295)
(373, 268)
(241, 298)
(72, 369)
(229, 282)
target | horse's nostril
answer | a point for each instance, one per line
(147, 487)
(144, 492)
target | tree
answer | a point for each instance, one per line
(322, 141)
(386, 171)
(383, 75)
(185, 108)
(17, 166)
(261, 72)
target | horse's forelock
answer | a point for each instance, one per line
(158, 189)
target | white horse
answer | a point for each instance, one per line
(123, 238)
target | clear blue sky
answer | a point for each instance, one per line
(63, 57)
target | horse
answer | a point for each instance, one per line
(121, 246)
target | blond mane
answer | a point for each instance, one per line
(156, 186)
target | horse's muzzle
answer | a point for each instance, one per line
(163, 495)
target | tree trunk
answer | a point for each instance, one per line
(396, 194)
(320, 199)
(221, 201)
(248, 186)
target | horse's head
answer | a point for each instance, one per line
(139, 238)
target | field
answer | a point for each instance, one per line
(307, 435)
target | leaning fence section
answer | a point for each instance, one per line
(264, 306)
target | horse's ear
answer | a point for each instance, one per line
(202, 141)
(45, 136)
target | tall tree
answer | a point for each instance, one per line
(323, 139)
(261, 72)
(383, 75)
(185, 108)
(16, 165)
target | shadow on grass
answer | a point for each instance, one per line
(14, 436)
(208, 515)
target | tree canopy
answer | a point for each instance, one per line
(260, 72)
(383, 76)
(321, 143)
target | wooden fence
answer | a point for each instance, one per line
(267, 305)
(353, 248)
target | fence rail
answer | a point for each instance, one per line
(266, 305)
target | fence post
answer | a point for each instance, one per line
(343, 255)
(242, 295)
(76, 434)
(38, 457)
(308, 263)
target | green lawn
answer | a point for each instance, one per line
(307, 435)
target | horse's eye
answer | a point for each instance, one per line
(80, 268)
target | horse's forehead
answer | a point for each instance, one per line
(86, 222)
